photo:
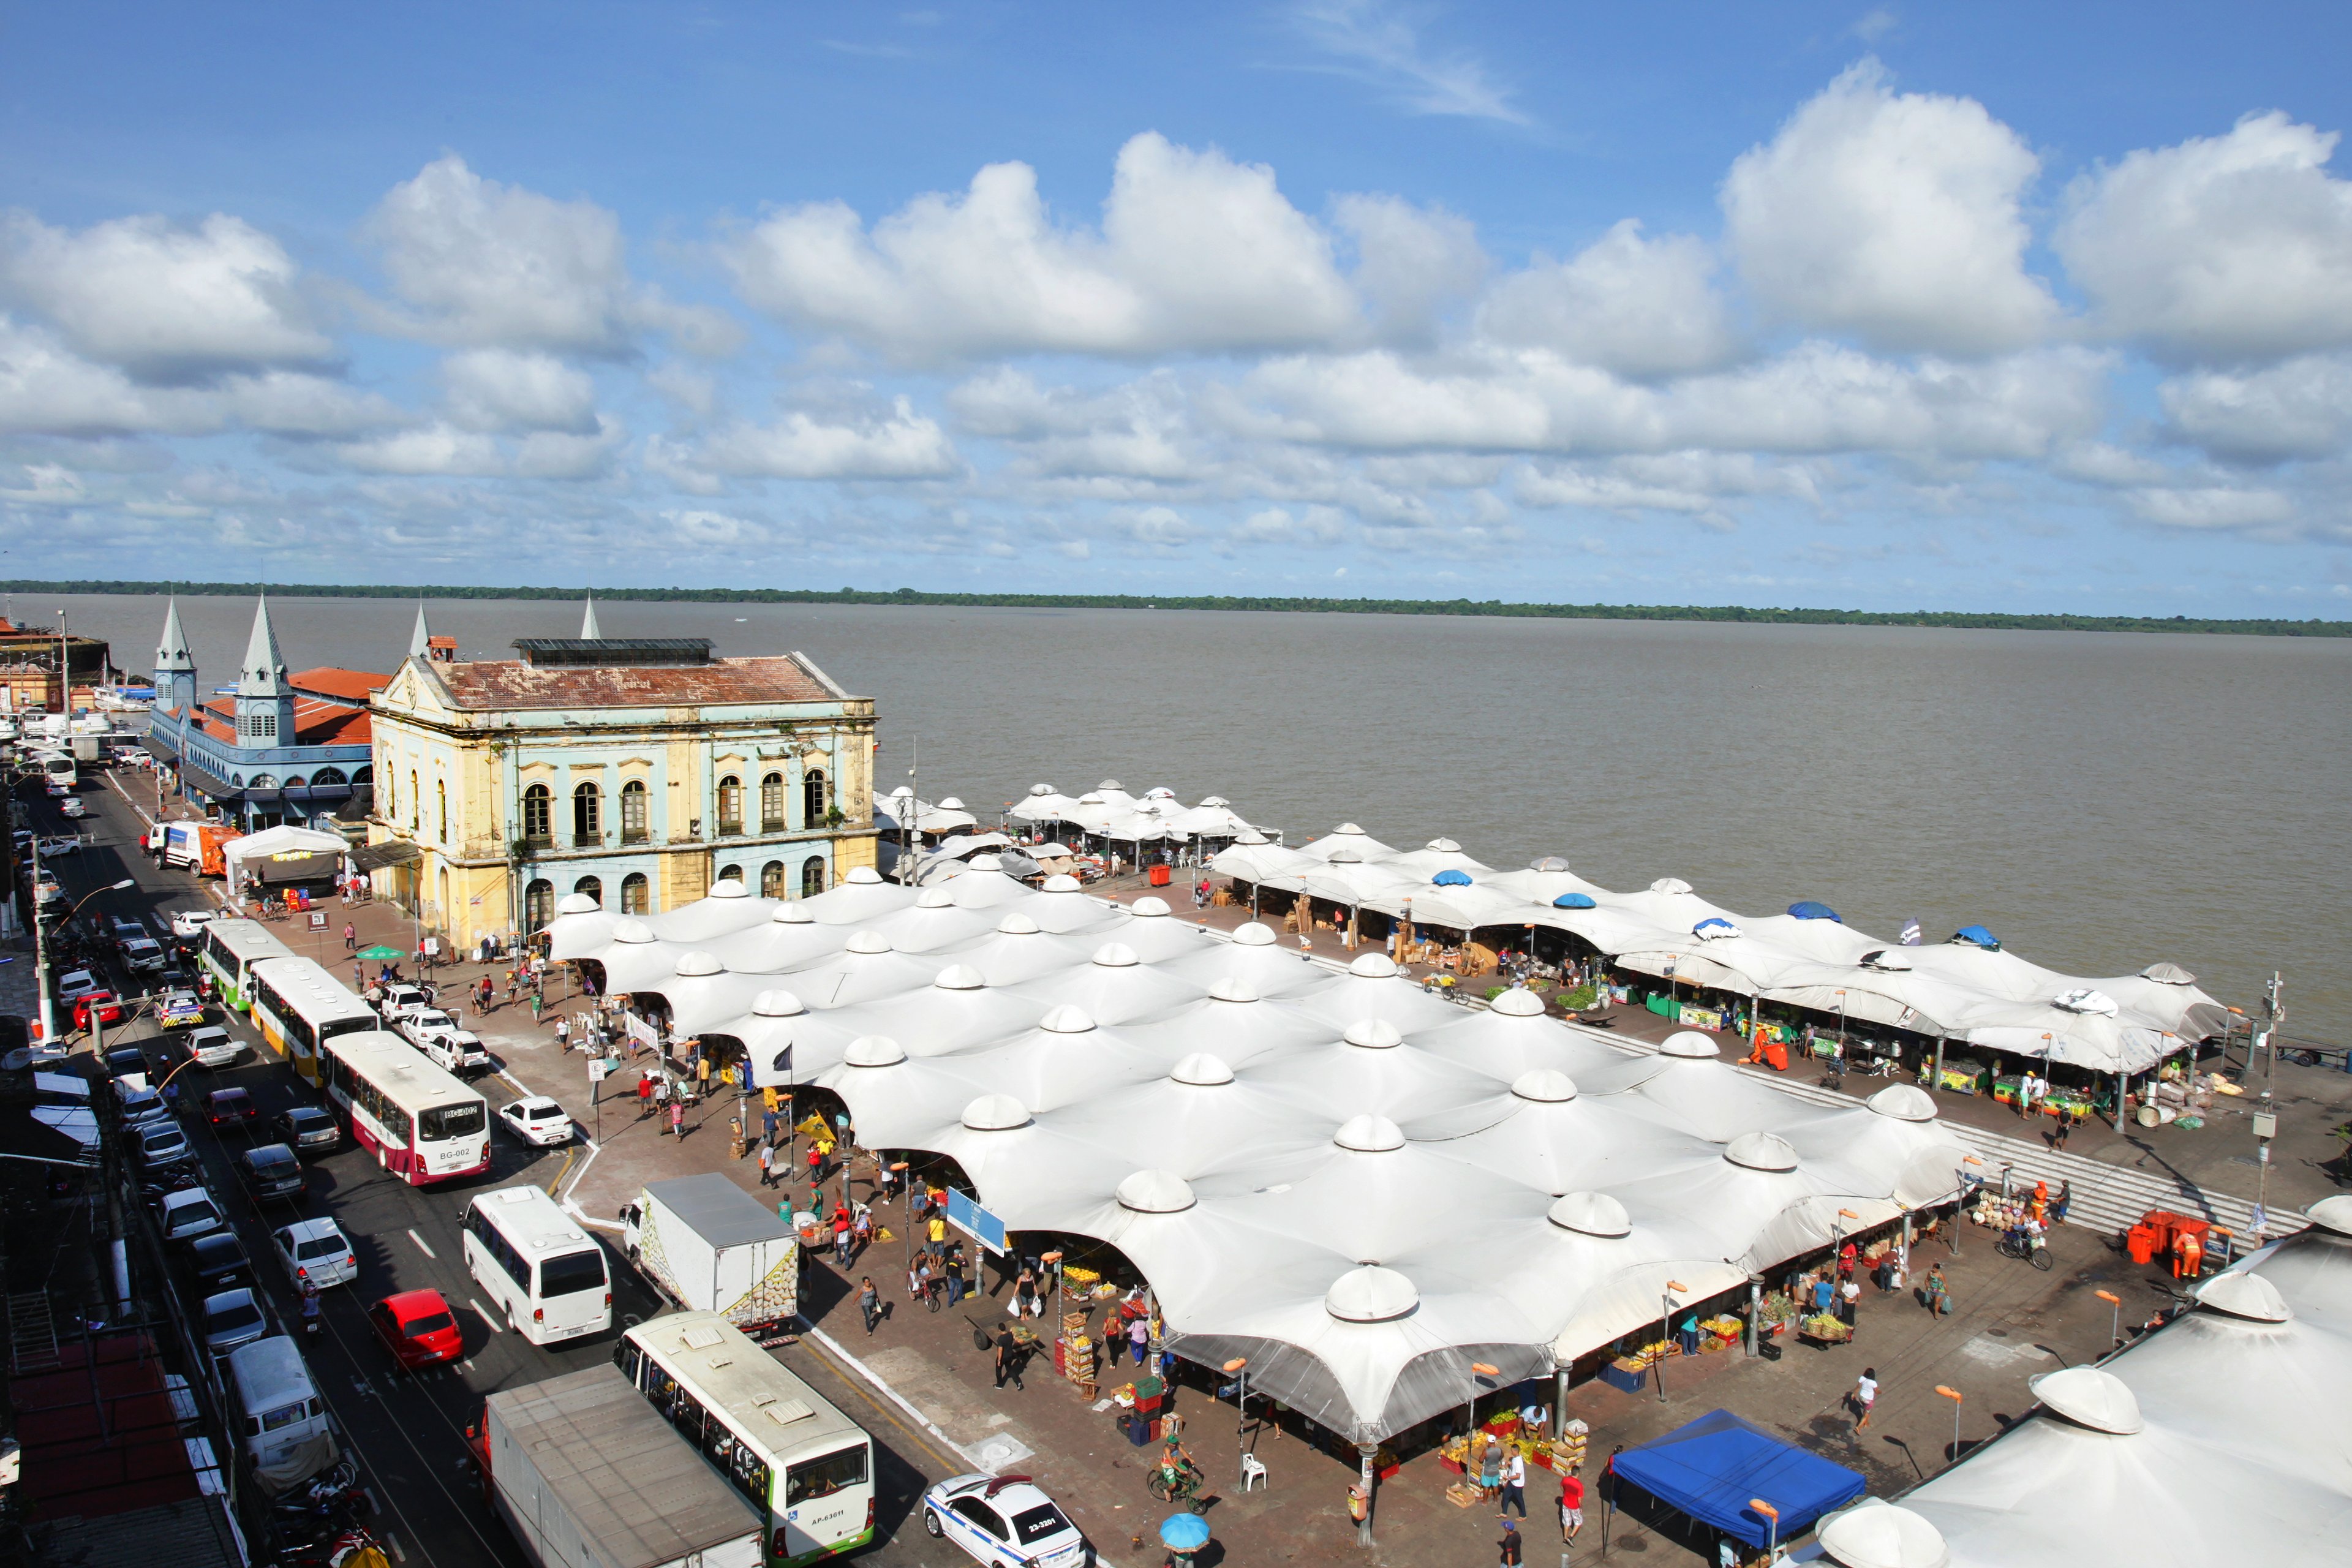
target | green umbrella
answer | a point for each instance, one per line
(379, 953)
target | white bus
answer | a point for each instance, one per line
(422, 1124)
(804, 1464)
(534, 1261)
(297, 1003)
(231, 950)
(277, 1406)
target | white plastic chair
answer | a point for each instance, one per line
(1253, 1471)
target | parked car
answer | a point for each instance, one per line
(418, 1328)
(306, 1129)
(232, 1317)
(230, 1107)
(77, 983)
(213, 1046)
(216, 1260)
(162, 1146)
(401, 1000)
(314, 1252)
(188, 1213)
(72, 806)
(1005, 1522)
(537, 1120)
(190, 922)
(455, 1050)
(179, 1010)
(121, 929)
(144, 955)
(142, 1107)
(126, 1061)
(63, 844)
(103, 1006)
(270, 1172)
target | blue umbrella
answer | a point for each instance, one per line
(1184, 1532)
(1451, 878)
(1806, 909)
(1574, 901)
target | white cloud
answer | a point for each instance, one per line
(428, 450)
(568, 453)
(903, 446)
(1139, 429)
(1195, 252)
(1413, 263)
(163, 301)
(1891, 215)
(1375, 43)
(288, 402)
(1317, 526)
(1641, 307)
(2214, 507)
(501, 389)
(2236, 247)
(47, 388)
(2302, 409)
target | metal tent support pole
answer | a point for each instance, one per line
(1365, 1453)
(1558, 1404)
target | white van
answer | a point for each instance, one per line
(277, 1407)
(532, 1259)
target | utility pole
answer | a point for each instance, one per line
(2266, 1111)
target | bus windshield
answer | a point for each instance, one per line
(824, 1476)
(573, 1271)
(449, 1121)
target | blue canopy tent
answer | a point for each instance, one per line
(1711, 1467)
(1450, 878)
(1806, 909)
(1574, 901)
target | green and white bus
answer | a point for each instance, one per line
(804, 1465)
(297, 1006)
(231, 950)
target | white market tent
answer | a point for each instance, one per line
(239, 854)
(1300, 1119)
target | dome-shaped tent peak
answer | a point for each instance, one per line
(1450, 878)
(1806, 909)
(695, 965)
(1110, 785)
(951, 804)
(1517, 1003)
(1351, 827)
(1904, 1102)
(1445, 847)
(1370, 1294)
(1713, 928)
(1252, 837)
(1592, 1213)
(1149, 907)
(1690, 1044)
(1066, 1020)
(935, 898)
(635, 931)
(1760, 1152)
(881, 1051)
(1545, 1086)
(776, 1004)
(1372, 1035)
(1574, 901)
(1016, 925)
(1670, 884)
(1059, 882)
(1877, 1535)
(2333, 1215)
(2244, 1295)
(1156, 1191)
(1253, 934)
(1116, 955)
(576, 904)
(793, 914)
(1213, 800)
(2167, 974)
(1373, 966)
(1369, 1134)
(863, 876)
(1547, 863)
(995, 1113)
(2090, 1396)
(1202, 1070)
(960, 977)
(1976, 936)
(729, 888)
(867, 941)
(1232, 988)
(1888, 961)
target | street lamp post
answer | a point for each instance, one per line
(2116, 1331)
(40, 954)
(1954, 1395)
(1239, 1366)
(1772, 1522)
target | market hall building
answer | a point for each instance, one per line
(275, 748)
(632, 772)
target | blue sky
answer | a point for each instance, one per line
(2013, 308)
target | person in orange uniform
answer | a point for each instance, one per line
(2041, 1203)
(2187, 1256)
(1769, 1052)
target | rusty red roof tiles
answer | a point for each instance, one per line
(351, 685)
(510, 683)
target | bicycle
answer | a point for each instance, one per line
(2027, 1244)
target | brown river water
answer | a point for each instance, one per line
(2100, 801)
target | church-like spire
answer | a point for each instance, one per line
(172, 652)
(263, 673)
(420, 641)
(588, 622)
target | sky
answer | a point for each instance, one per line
(2001, 307)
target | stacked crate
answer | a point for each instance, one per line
(1074, 1353)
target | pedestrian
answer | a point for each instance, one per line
(1849, 1305)
(2059, 1205)
(956, 1290)
(1571, 1508)
(1490, 1467)
(1939, 1295)
(562, 1035)
(869, 1301)
(768, 1120)
(537, 1002)
(815, 1165)
(678, 1119)
(862, 1233)
(350, 937)
(935, 1233)
(1515, 1483)
(767, 1164)
(842, 1226)
(359, 977)
(1008, 1357)
(645, 1094)
(1865, 1396)
(1139, 1338)
(2065, 1125)
(1510, 1545)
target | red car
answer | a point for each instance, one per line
(417, 1328)
(229, 1106)
(103, 1003)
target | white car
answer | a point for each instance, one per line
(458, 1051)
(1003, 1521)
(420, 1023)
(190, 922)
(143, 954)
(49, 847)
(315, 1252)
(78, 984)
(213, 1046)
(401, 1000)
(538, 1120)
(72, 806)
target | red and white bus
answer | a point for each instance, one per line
(422, 1124)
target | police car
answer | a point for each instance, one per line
(1005, 1521)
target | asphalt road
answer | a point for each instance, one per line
(408, 1429)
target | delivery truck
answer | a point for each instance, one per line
(587, 1474)
(710, 1247)
(196, 845)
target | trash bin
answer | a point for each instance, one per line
(1159, 876)
(2141, 1241)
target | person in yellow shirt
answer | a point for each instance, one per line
(936, 1231)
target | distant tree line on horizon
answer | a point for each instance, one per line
(1969, 620)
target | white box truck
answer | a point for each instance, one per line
(588, 1473)
(710, 1247)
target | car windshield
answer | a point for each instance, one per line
(271, 1160)
(160, 1140)
(239, 1314)
(1032, 1525)
(306, 1119)
(194, 1214)
(430, 1323)
(573, 1271)
(319, 1247)
(216, 1252)
(453, 1122)
(545, 1112)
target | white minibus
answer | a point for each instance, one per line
(537, 1266)
(277, 1407)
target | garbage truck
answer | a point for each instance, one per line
(710, 1247)
(196, 845)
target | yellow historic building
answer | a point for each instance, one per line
(628, 774)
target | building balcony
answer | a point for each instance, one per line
(587, 841)
(636, 835)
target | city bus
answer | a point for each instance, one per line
(231, 950)
(297, 1002)
(802, 1463)
(421, 1124)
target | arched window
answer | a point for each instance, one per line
(293, 781)
(633, 812)
(441, 804)
(812, 876)
(634, 891)
(587, 816)
(415, 794)
(594, 886)
(538, 804)
(262, 781)
(365, 777)
(537, 904)
(731, 808)
(327, 778)
(730, 873)
(812, 798)
(771, 803)
(772, 880)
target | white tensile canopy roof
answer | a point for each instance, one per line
(1300, 1116)
(2246, 1392)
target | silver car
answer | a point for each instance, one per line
(231, 1318)
(213, 1046)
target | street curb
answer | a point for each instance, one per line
(834, 1348)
